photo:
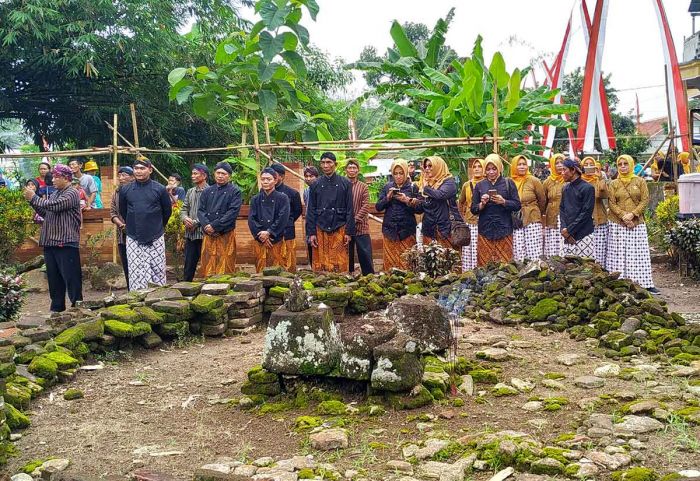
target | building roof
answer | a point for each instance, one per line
(694, 6)
(653, 127)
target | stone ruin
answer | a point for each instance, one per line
(384, 350)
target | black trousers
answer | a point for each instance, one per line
(125, 264)
(363, 245)
(65, 275)
(193, 251)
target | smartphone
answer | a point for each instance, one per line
(394, 189)
(493, 193)
(589, 169)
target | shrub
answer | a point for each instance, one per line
(175, 240)
(12, 293)
(685, 237)
(433, 259)
(15, 222)
(663, 221)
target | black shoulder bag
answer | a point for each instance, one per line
(517, 216)
(460, 235)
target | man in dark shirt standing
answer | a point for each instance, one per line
(290, 254)
(125, 176)
(60, 235)
(576, 212)
(330, 220)
(218, 209)
(268, 218)
(146, 208)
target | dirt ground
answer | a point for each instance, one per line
(166, 409)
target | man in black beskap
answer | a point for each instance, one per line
(60, 236)
(145, 205)
(576, 212)
(289, 239)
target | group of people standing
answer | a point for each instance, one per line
(573, 212)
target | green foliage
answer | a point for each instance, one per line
(433, 259)
(685, 237)
(73, 63)
(663, 220)
(426, 99)
(15, 222)
(175, 238)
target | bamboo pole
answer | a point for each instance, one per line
(134, 125)
(495, 118)
(115, 145)
(244, 131)
(267, 134)
(668, 136)
(60, 153)
(256, 145)
(136, 150)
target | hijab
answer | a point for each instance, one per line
(517, 178)
(440, 173)
(553, 167)
(590, 178)
(403, 165)
(494, 159)
(474, 178)
(626, 178)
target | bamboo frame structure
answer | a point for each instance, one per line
(115, 142)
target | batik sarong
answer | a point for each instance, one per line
(219, 254)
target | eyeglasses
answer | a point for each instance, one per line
(428, 166)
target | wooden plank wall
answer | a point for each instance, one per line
(97, 230)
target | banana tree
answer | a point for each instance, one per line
(458, 101)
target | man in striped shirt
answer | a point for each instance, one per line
(188, 214)
(60, 235)
(360, 202)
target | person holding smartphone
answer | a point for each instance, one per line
(469, 253)
(553, 185)
(592, 175)
(527, 240)
(399, 223)
(494, 200)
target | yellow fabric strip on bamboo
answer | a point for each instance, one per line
(331, 255)
(219, 254)
(393, 251)
(268, 257)
(500, 250)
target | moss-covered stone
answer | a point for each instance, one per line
(125, 330)
(121, 312)
(92, 330)
(635, 474)
(7, 369)
(304, 423)
(150, 316)
(417, 398)
(72, 394)
(690, 414)
(543, 309)
(70, 338)
(174, 329)
(331, 408)
(17, 395)
(63, 361)
(43, 367)
(261, 376)
(306, 473)
(484, 376)
(204, 303)
(7, 353)
(269, 389)
(500, 390)
(278, 291)
(685, 359)
(15, 418)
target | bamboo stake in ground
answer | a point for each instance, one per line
(495, 118)
(115, 145)
(134, 125)
(256, 145)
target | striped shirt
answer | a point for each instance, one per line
(114, 212)
(62, 218)
(360, 206)
(189, 209)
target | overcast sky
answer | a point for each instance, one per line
(632, 50)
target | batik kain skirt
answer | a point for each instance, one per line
(600, 241)
(469, 252)
(499, 251)
(628, 253)
(527, 242)
(331, 255)
(269, 256)
(581, 248)
(219, 254)
(393, 252)
(553, 240)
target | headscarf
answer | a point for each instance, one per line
(626, 178)
(590, 178)
(684, 159)
(60, 170)
(440, 173)
(517, 178)
(403, 165)
(573, 164)
(553, 167)
(224, 166)
(125, 169)
(483, 170)
(142, 160)
(494, 159)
